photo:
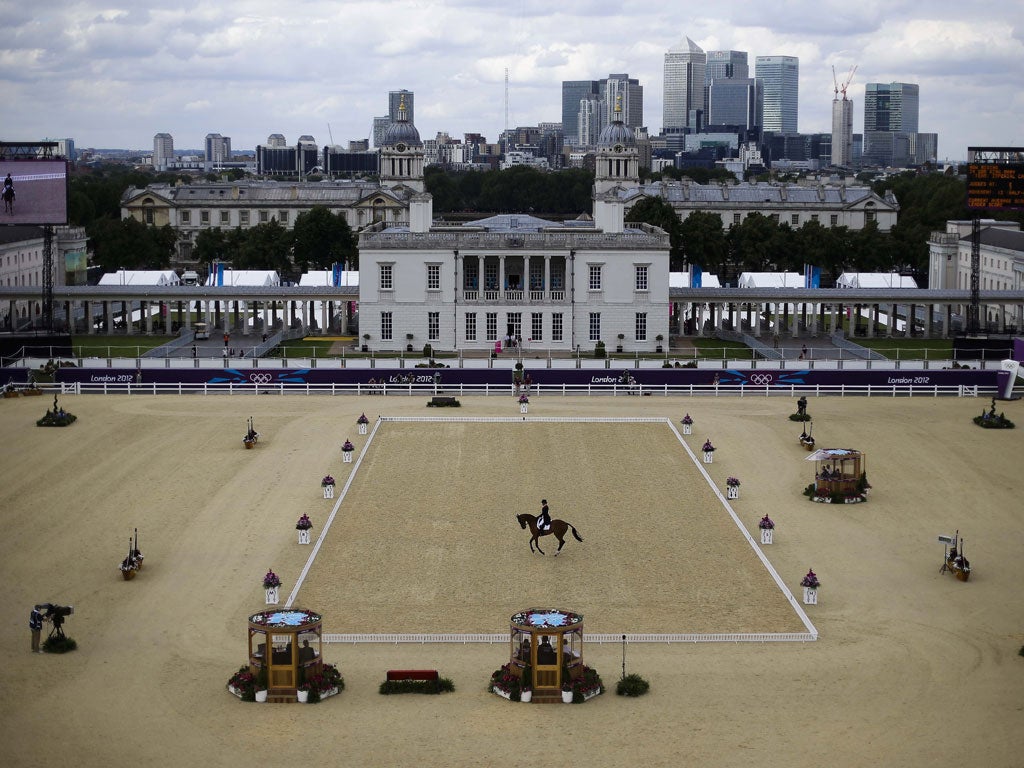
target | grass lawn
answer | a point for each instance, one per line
(115, 346)
(912, 349)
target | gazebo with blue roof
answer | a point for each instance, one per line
(550, 641)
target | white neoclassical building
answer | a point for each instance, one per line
(515, 277)
(22, 257)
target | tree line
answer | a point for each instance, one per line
(319, 239)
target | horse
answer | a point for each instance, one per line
(8, 196)
(558, 527)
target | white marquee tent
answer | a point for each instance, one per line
(141, 277)
(771, 280)
(875, 280)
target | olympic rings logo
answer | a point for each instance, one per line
(260, 378)
(761, 378)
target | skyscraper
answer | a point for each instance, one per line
(842, 131)
(218, 150)
(395, 101)
(726, 65)
(625, 91)
(735, 101)
(163, 151)
(781, 77)
(891, 107)
(684, 105)
(573, 92)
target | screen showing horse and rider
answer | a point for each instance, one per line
(34, 191)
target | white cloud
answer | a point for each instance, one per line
(113, 73)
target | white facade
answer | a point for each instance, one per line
(21, 264)
(555, 286)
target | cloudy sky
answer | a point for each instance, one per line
(112, 74)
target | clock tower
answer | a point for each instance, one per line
(401, 155)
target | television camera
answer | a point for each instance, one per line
(56, 614)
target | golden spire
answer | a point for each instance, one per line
(618, 104)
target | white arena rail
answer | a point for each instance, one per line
(466, 638)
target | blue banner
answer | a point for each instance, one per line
(336, 276)
(696, 276)
(812, 276)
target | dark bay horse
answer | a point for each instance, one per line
(558, 528)
(8, 195)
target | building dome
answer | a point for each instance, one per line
(617, 134)
(402, 131)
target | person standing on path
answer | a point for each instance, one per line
(35, 623)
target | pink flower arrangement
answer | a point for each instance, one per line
(766, 524)
(524, 399)
(304, 523)
(362, 419)
(732, 482)
(687, 419)
(708, 447)
(328, 480)
(348, 447)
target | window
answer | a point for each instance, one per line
(186, 217)
(641, 277)
(515, 324)
(490, 277)
(556, 326)
(491, 326)
(148, 214)
(433, 277)
(833, 220)
(595, 326)
(282, 216)
(736, 218)
(470, 276)
(433, 326)
(536, 277)
(794, 219)
(814, 217)
(471, 327)
(641, 326)
(204, 218)
(537, 326)
(264, 217)
(775, 218)
(243, 218)
(225, 217)
(386, 326)
(386, 282)
(595, 277)
(869, 215)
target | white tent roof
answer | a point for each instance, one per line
(246, 277)
(771, 280)
(326, 276)
(141, 277)
(875, 280)
(682, 280)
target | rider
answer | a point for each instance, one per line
(8, 183)
(544, 521)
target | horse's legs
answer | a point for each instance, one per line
(561, 543)
(536, 539)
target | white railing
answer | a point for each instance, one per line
(131, 387)
(464, 638)
(470, 295)
(513, 295)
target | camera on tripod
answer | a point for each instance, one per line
(56, 614)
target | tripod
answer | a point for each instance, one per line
(58, 628)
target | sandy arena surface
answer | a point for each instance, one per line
(912, 668)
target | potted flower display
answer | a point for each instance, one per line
(767, 528)
(261, 685)
(346, 451)
(243, 684)
(587, 685)
(507, 682)
(732, 487)
(271, 583)
(709, 451)
(810, 584)
(366, 342)
(303, 527)
(526, 684)
(524, 402)
(659, 338)
(328, 486)
(566, 687)
(302, 693)
(687, 424)
(362, 423)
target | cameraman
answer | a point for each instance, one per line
(35, 623)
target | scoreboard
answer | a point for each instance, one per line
(995, 186)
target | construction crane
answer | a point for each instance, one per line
(846, 84)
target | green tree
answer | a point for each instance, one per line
(321, 239)
(659, 212)
(265, 246)
(211, 245)
(704, 241)
(130, 244)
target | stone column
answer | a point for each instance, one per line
(892, 320)
(480, 278)
(323, 317)
(547, 277)
(148, 314)
(108, 315)
(501, 278)
(305, 316)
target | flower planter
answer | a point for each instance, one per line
(810, 595)
(526, 696)
(328, 491)
(732, 492)
(362, 429)
(591, 694)
(346, 456)
(304, 537)
(302, 696)
(687, 429)
(766, 535)
(567, 697)
(261, 696)
(709, 456)
(503, 694)
(523, 407)
(326, 694)
(272, 597)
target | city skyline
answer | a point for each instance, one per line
(115, 78)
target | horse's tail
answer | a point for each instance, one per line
(574, 533)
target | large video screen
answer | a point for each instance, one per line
(995, 186)
(34, 191)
